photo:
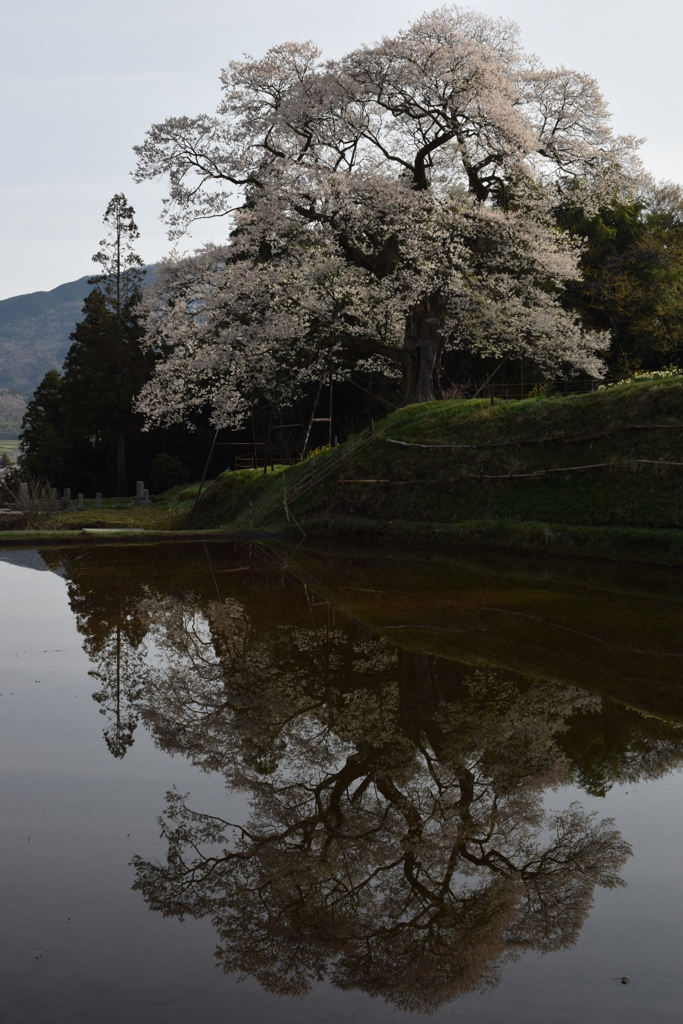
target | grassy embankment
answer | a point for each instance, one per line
(621, 508)
(475, 488)
(166, 517)
(116, 517)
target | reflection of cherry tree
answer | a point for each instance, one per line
(397, 839)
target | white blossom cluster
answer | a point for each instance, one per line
(385, 207)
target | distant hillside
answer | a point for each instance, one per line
(34, 332)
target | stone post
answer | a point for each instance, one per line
(67, 499)
(80, 502)
(98, 500)
(139, 492)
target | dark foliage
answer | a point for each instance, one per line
(632, 283)
(168, 471)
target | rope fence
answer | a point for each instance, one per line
(502, 390)
(572, 438)
(508, 476)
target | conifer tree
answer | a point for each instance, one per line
(111, 323)
(76, 427)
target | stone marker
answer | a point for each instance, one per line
(139, 492)
(80, 502)
(98, 500)
(23, 495)
(67, 499)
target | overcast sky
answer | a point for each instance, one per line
(81, 80)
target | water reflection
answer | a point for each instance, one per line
(398, 841)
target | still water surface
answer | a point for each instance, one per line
(335, 785)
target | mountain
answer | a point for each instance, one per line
(34, 332)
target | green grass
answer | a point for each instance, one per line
(622, 509)
(450, 485)
(8, 445)
(168, 513)
(624, 506)
(229, 495)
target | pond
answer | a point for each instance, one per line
(335, 783)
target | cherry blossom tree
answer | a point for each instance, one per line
(384, 206)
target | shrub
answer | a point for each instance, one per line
(168, 471)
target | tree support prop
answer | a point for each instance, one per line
(206, 470)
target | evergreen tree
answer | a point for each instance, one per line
(76, 428)
(104, 369)
(107, 343)
(632, 278)
(43, 437)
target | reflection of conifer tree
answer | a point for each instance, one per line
(398, 840)
(121, 670)
(104, 599)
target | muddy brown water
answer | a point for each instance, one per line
(329, 783)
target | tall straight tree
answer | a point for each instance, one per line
(119, 289)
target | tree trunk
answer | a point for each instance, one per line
(421, 360)
(122, 473)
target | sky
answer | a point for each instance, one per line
(82, 80)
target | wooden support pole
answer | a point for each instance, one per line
(270, 430)
(490, 377)
(201, 482)
(329, 435)
(310, 422)
(254, 459)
